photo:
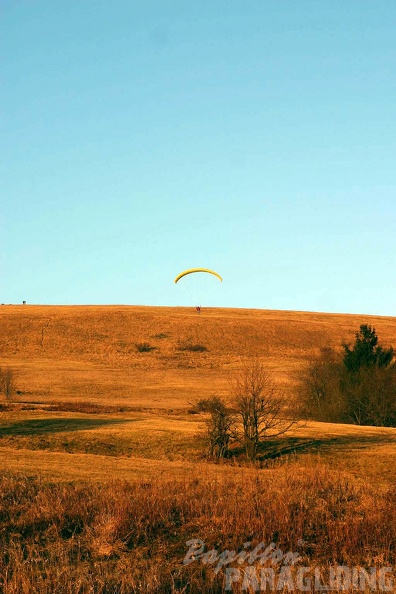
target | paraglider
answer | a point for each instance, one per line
(192, 270)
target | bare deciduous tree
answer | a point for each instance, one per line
(319, 388)
(370, 395)
(260, 408)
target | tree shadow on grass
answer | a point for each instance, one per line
(300, 445)
(46, 426)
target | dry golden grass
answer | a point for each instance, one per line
(89, 352)
(94, 394)
(129, 538)
(73, 446)
(92, 409)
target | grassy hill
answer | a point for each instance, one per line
(105, 396)
(90, 352)
(85, 388)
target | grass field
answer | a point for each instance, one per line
(98, 417)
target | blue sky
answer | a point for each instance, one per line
(256, 138)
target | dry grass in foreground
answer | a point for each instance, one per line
(126, 538)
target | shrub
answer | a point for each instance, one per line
(204, 404)
(218, 425)
(144, 347)
(194, 348)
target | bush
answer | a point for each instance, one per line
(194, 348)
(144, 347)
(204, 404)
(218, 425)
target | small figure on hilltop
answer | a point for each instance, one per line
(23, 302)
(198, 308)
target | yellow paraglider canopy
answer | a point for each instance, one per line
(192, 270)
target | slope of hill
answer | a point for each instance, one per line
(85, 388)
(104, 473)
(91, 352)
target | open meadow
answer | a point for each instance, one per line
(104, 468)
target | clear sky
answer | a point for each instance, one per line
(254, 137)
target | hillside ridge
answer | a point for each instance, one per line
(61, 352)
